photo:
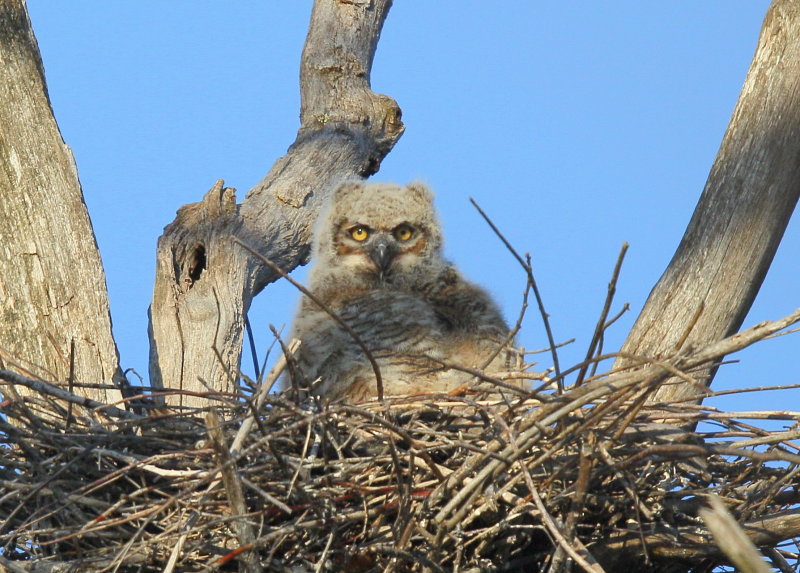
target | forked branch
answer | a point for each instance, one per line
(205, 282)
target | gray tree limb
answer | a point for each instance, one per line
(204, 281)
(52, 284)
(749, 196)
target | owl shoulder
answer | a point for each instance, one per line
(465, 306)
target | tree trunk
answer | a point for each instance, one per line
(752, 189)
(52, 286)
(205, 281)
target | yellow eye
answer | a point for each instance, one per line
(359, 233)
(403, 232)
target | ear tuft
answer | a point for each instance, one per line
(421, 191)
(347, 187)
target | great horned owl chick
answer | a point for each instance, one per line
(378, 265)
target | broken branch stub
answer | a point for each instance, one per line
(204, 281)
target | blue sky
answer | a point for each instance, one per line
(576, 125)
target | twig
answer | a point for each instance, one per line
(599, 328)
(233, 488)
(526, 265)
(731, 538)
(595, 363)
(257, 401)
(50, 389)
(555, 530)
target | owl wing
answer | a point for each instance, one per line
(475, 326)
(401, 331)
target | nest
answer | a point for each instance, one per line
(589, 474)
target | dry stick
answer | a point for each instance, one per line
(554, 530)
(233, 488)
(576, 367)
(772, 438)
(401, 432)
(324, 307)
(625, 308)
(260, 397)
(628, 485)
(731, 538)
(713, 394)
(585, 464)
(566, 539)
(322, 558)
(534, 428)
(687, 543)
(678, 369)
(633, 412)
(771, 494)
(513, 333)
(548, 414)
(748, 415)
(529, 272)
(276, 340)
(771, 456)
(7, 522)
(177, 549)
(778, 560)
(740, 340)
(10, 566)
(600, 327)
(270, 499)
(480, 375)
(294, 369)
(50, 389)
(188, 528)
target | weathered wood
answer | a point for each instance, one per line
(52, 285)
(204, 281)
(626, 551)
(739, 221)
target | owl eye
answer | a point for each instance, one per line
(403, 232)
(359, 233)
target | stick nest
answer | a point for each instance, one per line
(424, 483)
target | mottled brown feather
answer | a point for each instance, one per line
(413, 317)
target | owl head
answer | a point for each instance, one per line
(378, 231)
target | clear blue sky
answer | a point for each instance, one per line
(576, 125)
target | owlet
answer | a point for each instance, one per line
(378, 266)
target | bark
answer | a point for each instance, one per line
(683, 548)
(749, 196)
(52, 285)
(205, 282)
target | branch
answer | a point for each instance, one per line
(498, 455)
(204, 282)
(691, 544)
(47, 301)
(731, 538)
(51, 389)
(751, 191)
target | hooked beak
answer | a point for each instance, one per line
(382, 254)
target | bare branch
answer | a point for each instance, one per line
(346, 130)
(751, 191)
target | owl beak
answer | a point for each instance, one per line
(382, 254)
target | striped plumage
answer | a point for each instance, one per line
(378, 266)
